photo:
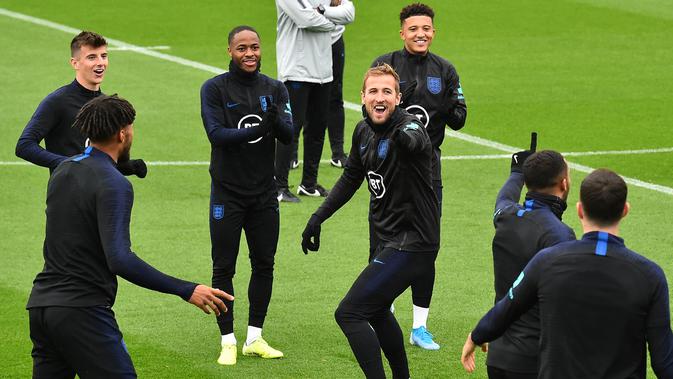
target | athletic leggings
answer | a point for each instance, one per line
(421, 289)
(258, 216)
(336, 119)
(309, 102)
(364, 313)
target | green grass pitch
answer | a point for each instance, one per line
(588, 75)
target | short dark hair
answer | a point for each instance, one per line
(416, 9)
(104, 116)
(603, 196)
(239, 29)
(86, 38)
(544, 169)
(381, 70)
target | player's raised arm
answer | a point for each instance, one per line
(511, 190)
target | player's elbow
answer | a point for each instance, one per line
(21, 149)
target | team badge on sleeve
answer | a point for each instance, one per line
(434, 85)
(218, 211)
(375, 184)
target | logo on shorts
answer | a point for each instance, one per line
(383, 148)
(250, 121)
(218, 211)
(375, 184)
(420, 113)
(434, 85)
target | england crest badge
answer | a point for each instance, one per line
(218, 211)
(434, 85)
(265, 101)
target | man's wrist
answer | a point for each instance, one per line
(321, 9)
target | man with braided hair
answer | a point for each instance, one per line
(53, 118)
(87, 245)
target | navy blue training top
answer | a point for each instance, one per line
(521, 231)
(233, 105)
(87, 240)
(600, 305)
(52, 122)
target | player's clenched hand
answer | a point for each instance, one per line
(135, 167)
(270, 118)
(467, 357)
(310, 238)
(209, 299)
(520, 157)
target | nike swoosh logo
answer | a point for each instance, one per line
(378, 261)
(231, 105)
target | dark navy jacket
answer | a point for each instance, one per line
(438, 99)
(87, 240)
(601, 305)
(521, 231)
(52, 121)
(232, 106)
(403, 207)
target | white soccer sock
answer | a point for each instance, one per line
(253, 333)
(228, 339)
(420, 316)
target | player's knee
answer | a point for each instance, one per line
(224, 273)
(262, 267)
(343, 314)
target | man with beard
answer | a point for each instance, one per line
(431, 91)
(521, 231)
(392, 151)
(53, 119)
(601, 304)
(87, 245)
(244, 112)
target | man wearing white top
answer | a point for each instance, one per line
(303, 44)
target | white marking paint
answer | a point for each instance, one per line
(160, 47)
(348, 105)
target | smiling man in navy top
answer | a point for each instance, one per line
(53, 118)
(600, 303)
(244, 112)
(87, 245)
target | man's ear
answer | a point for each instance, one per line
(580, 210)
(121, 135)
(627, 209)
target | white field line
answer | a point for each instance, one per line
(575, 166)
(160, 47)
(444, 157)
(347, 105)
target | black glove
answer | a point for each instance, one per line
(401, 138)
(311, 231)
(519, 158)
(135, 167)
(407, 94)
(270, 119)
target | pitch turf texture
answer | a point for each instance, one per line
(590, 75)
